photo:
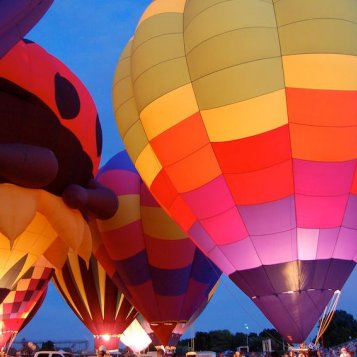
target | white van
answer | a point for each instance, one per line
(53, 354)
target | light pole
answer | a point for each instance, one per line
(247, 328)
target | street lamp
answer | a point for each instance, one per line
(247, 328)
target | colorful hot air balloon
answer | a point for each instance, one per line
(240, 116)
(167, 277)
(22, 300)
(17, 17)
(50, 143)
(94, 298)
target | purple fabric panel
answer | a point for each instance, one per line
(269, 218)
(203, 270)
(17, 17)
(338, 273)
(134, 270)
(120, 181)
(346, 245)
(293, 276)
(202, 238)
(270, 246)
(327, 242)
(350, 220)
(241, 254)
(170, 282)
(323, 178)
(210, 199)
(294, 315)
(146, 198)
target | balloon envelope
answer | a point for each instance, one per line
(240, 116)
(167, 277)
(23, 301)
(17, 17)
(93, 297)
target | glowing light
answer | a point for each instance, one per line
(106, 337)
(135, 337)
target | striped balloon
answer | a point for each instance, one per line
(94, 298)
(241, 118)
(167, 277)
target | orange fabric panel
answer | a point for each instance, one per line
(195, 170)
(322, 107)
(323, 143)
(261, 186)
(163, 190)
(169, 254)
(182, 214)
(255, 152)
(180, 140)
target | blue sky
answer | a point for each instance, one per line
(88, 36)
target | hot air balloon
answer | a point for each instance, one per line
(50, 146)
(240, 116)
(94, 298)
(166, 276)
(25, 297)
(17, 18)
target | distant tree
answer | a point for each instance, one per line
(202, 341)
(221, 340)
(48, 346)
(342, 328)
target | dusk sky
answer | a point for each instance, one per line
(88, 36)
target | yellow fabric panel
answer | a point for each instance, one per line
(155, 51)
(148, 165)
(156, 223)
(85, 248)
(126, 116)
(102, 277)
(123, 69)
(63, 286)
(169, 110)
(67, 222)
(76, 271)
(246, 118)
(289, 11)
(336, 72)
(156, 26)
(319, 36)
(162, 6)
(231, 49)
(127, 212)
(159, 80)
(122, 92)
(223, 17)
(239, 83)
(17, 209)
(119, 304)
(135, 140)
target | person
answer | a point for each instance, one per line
(101, 351)
(160, 352)
(344, 352)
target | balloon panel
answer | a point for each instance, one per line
(93, 297)
(247, 139)
(167, 277)
(17, 17)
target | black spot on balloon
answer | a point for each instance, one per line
(99, 136)
(25, 40)
(67, 98)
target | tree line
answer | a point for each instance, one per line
(342, 328)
